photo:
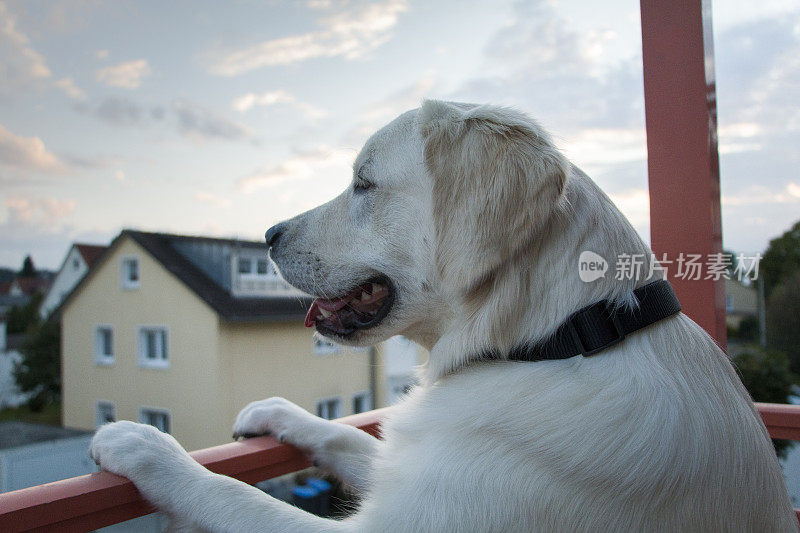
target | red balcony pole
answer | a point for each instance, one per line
(682, 158)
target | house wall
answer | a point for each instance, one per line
(189, 389)
(277, 359)
(65, 280)
(740, 301)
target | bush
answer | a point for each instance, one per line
(768, 378)
(39, 371)
(783, 319)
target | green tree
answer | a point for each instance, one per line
(748, 329)
(767, 376)
(20, 318)
(39, 371)
(28, 270)
(781, 259)
(783, 319)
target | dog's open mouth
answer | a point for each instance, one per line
(361, 308)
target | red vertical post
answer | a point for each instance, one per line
(682, 157)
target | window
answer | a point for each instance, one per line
(245, 266)
(153, 347)
(362, 401)
(129, 274)
(262, 267)
(104, 345)
(329, 408)
(324, 347)
(76, 264)
(105, 413)
(158, 418)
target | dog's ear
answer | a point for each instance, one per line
(497, 177)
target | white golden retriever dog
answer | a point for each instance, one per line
(462, 230)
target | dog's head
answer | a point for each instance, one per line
(440, 198)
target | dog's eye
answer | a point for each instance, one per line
(361, 186)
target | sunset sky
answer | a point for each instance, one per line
(221, 118)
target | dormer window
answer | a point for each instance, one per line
(129, 273)
(245, 266)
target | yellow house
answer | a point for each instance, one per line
(182, 332)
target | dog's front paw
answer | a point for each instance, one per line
(130, 449)
(274, 416)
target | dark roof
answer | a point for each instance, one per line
(16, 434)
(241, 309)
(32, 284)
(90, 252)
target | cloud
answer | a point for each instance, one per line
(126, 75)
(538, 62)
(70, 89)
(197, 122)
(190, 120)
(248, 101)
(101, 54)
(23, 211)
(21, 67)
(758, 194)
(213, 200)
(27, 154)
(301, 165)
(352, 32)
(115, 111)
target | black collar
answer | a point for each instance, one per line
(600, 325)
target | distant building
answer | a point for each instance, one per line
(182, 332)
(740, 301)
(76, 264)
(10, 395)
(28, 286)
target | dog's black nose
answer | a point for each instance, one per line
(273, 234)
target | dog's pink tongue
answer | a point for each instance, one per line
(328, 305)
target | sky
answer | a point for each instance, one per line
(222, 118)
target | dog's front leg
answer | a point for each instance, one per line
(344, 450)
(171, 480)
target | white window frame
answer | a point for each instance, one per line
(158, 411)
(324, 401)
(124, 281)
(367, 398)
(141, 354)
(324, 346)
(104, 403)
(101, 358)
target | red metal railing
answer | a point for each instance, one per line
(96, 500)
(101, 499)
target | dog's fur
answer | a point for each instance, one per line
(479, 221)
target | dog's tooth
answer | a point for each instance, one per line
(325, 313)
(375, 288)
(364, 296)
